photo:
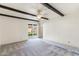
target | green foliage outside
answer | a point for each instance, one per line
(31, 34)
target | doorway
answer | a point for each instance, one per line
(32, 31)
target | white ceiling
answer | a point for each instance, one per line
(65, 8)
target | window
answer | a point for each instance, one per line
(32, 30)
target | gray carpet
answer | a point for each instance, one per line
(38, 47)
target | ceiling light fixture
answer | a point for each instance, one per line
(39, 16)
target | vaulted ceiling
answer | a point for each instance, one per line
(65, 8)
(27, 7)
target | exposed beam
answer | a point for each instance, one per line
(17, 17)
(52, 8)
(16, 10)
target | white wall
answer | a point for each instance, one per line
(63, 29)
(13, 30)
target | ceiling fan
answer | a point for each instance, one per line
(39, 13)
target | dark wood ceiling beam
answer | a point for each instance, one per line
(17, 17)
(16, 10)
(52, 8)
